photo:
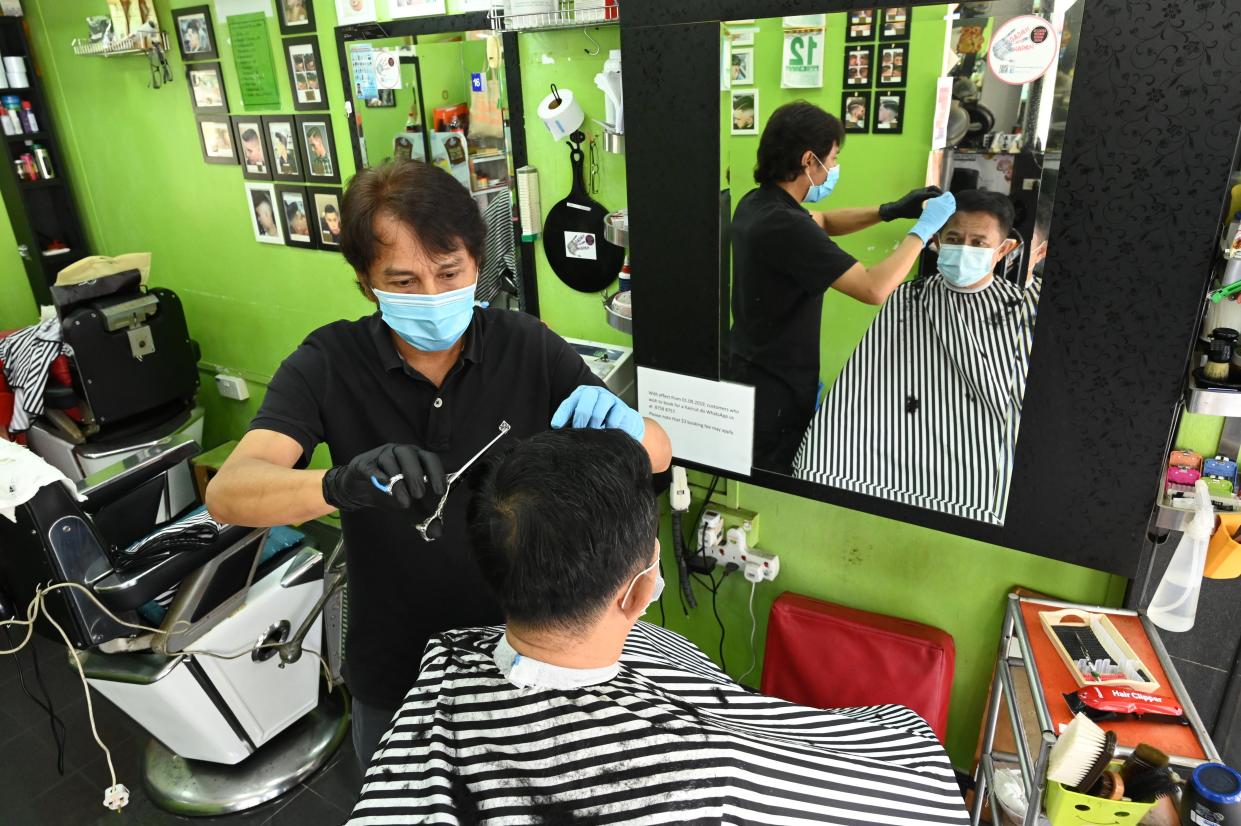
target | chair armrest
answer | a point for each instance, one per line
(114, 481)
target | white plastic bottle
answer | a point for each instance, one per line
(1175, 604)
(609, 82)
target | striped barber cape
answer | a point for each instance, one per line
(668, 739)
(927, 408)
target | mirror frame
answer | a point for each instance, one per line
(440, 24)
(1141, 192)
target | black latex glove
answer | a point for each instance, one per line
(910, 206)
(349, 487)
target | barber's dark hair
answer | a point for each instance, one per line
(992, 203)
(790, 131)
(562, 521)
(428, 201)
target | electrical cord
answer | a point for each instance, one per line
(57, 725)
(715, 480)
(681, 553)
(753, 628)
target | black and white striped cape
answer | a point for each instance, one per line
(27, 355)
(927, 408)
(669, 739)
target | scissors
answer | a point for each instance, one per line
(425, 524)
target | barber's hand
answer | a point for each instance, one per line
(350, 487)
(910, 206)
(597, 408)
(934, 215)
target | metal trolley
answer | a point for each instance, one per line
(1016, 656)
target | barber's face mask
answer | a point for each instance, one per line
(962, 266)
(428, 322)
(656, 592)
(820, 191)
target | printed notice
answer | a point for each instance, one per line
(256, 72)
(709, 422)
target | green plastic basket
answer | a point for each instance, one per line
(1066, 807)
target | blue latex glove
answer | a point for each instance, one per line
(598, 408)
(934, 215)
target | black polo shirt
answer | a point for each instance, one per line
(783, 263)
(347, 386)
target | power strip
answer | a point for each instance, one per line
(755, 564)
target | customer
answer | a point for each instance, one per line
(579, 713)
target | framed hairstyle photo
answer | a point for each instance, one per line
(206, 87)
(301, 55)
(264, 213)
(325, 219)
(745, 112)
(894, 24)
(889, 112)
(319, 157)
(860, 26)
(286, 149)
(296, 16)
(297, 214)
(252, 147)
(194, 33)
(855, 111)
(215, 134)
(893, 59)
(742, 64)
(858, 60)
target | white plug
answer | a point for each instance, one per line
(116, 797)
(754, 572)
(678, 494)
(711, 530)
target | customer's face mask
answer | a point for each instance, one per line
(656, 592)
(962, 266)
(818, 192)
(428, 322)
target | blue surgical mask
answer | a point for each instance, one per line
(656, 592)
(820, 191)
(428, 322)
(962, 266)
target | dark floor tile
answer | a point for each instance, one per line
(340, 781)
(27, 768)
(143, 812)
(117, 731)
(71, 801)
(20, 712)
(308, 809)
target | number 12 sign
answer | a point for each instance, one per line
(803, 59)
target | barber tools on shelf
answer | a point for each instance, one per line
(1094, 651)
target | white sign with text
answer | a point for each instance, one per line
(709, 422)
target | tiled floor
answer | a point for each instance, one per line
(33, 793)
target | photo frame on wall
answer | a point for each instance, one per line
(742, 67)
(889, 113)
(195, 36)
(286, 148)
(264, 213)
(894, 23)
(319, 158)
(893, 63)
(297, 213)
(206, 84)
(301, 55)
(745, 112)
(855, 111)
(860, 26)
(858, 62)
(296, 16)
(252, 149)
(325, 216)
(215, 136)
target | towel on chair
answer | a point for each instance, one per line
(27, 355)
(22, 474)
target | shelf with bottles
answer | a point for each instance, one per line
(545, 15)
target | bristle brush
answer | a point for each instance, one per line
(1151, 786)
(1081, 755)
(1145, 759)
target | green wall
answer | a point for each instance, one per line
(139, 176)
(17, 306)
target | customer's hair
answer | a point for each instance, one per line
(790, 131)
(561, 522)
(428, 201)
(992, 203)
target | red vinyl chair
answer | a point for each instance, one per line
(829, 656)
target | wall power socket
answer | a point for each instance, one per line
(232, 387)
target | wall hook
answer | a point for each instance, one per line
(593, 42)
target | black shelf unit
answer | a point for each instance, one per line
(40, 211)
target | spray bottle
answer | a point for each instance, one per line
(1175, 604)
(609, 82)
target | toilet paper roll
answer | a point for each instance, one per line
(561, 118)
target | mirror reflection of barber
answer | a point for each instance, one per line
(413, 390)
(785, 260)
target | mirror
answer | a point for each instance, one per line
(907, 390)
(443, 97)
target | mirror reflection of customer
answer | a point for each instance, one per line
(784, 260)
(926, 410)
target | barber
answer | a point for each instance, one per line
(415, 389)
(784, 261)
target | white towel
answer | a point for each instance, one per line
(22, 474)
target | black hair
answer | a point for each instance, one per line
(790, 131)
(891, 106)
(249, 135)
(291, 208)
(428, 201)
(561, 522)
(329, 209)
(993, 203)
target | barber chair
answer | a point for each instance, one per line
(131, 380)
(227, 734)
(829, 656)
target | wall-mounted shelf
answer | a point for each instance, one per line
(593, 13)
(1212, 402)
(136, 43)
(39, 184)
